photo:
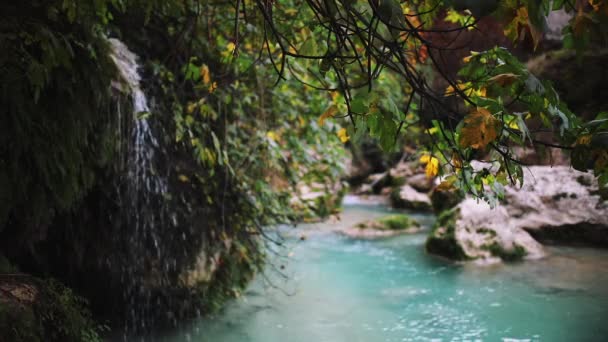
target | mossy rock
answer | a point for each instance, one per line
(516, 254)
(442, 240)
(397, 222)
(445, 199)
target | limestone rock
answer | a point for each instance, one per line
(474, 231)
(420, 182)
(406, 197)
(559, 204)
(386, 226)
(556, 204)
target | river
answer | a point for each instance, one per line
(341, 289)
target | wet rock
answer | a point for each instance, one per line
(406, 197)
(556, 205)
(420, 182)
(379, 181)
(474, 231)
(386, 226)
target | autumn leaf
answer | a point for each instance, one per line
(205, 74)
(504, 79)
(466, 88)
(343, 135)
(212, 87)
(582, 21)
(456, 161)
(272, 136)
(583, 140)
(331, 111)
(479, 129)
(432, 165)
(446, 185)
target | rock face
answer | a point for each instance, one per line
(406, 197)
(559, 204)
(556, 204)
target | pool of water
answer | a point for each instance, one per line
(335, 289)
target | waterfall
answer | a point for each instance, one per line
(143, 192)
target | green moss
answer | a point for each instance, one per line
(486, 231)
(442, 240)
(516, 254)
(398, 221)
(397, 181)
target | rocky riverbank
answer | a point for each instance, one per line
(556, 205)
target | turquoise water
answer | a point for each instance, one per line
(341, 289)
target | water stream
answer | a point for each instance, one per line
(143, 193)
(342, 289)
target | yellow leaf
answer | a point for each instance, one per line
(432, 165)
(191, 107)
(272, 136)
(212, 87)
(343, 135)
(425, 158)
(432, 168)
(331, 111)
(432, 130)
(479, 129)
(205, 74)
(230, 47)
(446, 186)
(334, 95)
(183, 178)
(583, 140)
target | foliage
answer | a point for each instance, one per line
(54, 89)
(442, 239)
(363, 41)
(56, 314)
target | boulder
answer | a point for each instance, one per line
(379, 181)
(560, 205)
(420, 182)
(474, 231)
(555, 204)
(406, 197)
(445, 198)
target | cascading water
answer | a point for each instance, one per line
(144, 191)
